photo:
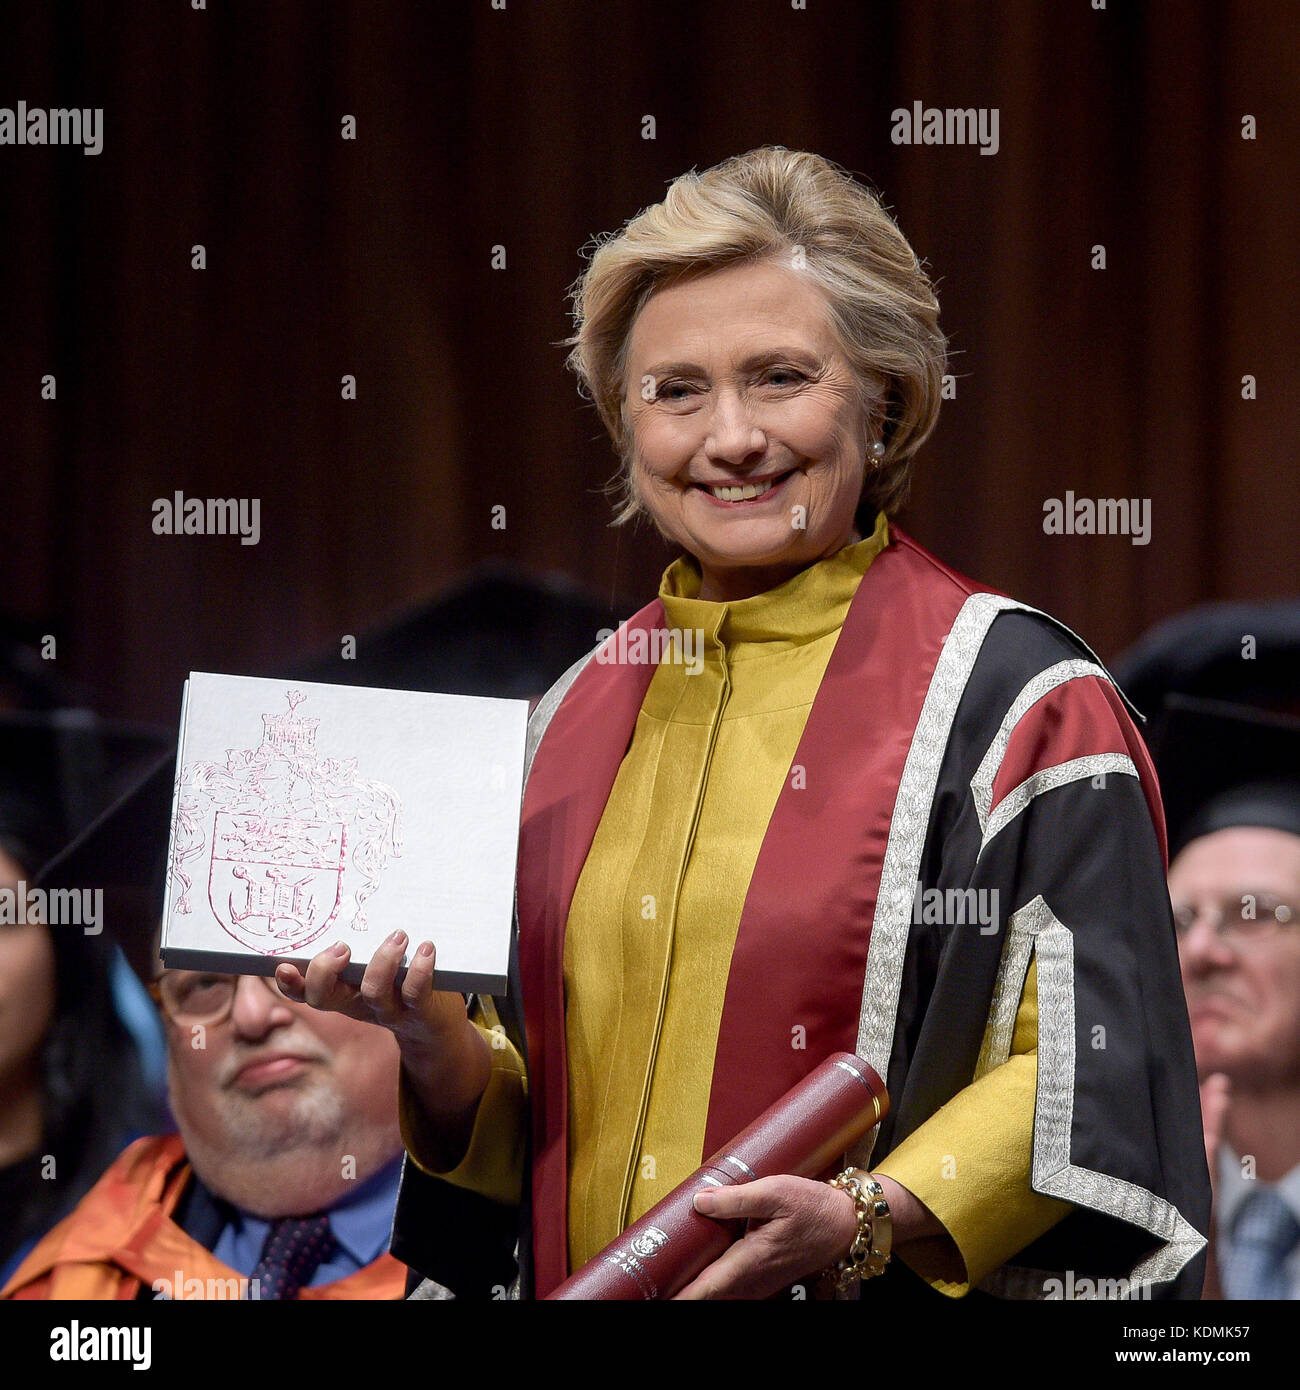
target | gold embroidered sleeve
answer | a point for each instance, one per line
(970, 1163)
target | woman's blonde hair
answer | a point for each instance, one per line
(767, 204)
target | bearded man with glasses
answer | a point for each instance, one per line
(282, 1181)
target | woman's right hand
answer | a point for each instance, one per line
(420, 1017)
(446, 1061)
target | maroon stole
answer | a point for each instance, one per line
(801, 947)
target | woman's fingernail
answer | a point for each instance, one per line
(426, 949)
(339, 948)
(397, 938)
(703, 1201)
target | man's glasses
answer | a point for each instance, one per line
(191, 996)
(1252, 917)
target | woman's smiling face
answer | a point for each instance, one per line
(749, 435)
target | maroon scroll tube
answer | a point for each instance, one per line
(804, 1133)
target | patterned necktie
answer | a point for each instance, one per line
(1263, 1235)
(293, 1250)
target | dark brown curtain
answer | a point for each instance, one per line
(521, 128)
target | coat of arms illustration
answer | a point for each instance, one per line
(294, 843)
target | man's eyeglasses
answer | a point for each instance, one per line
(1250, 918)
(192, 996)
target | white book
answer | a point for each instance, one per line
(306, 814)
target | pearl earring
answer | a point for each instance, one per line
(877, 453)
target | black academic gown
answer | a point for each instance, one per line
(1043, 795)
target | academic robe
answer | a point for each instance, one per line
(121, 1239)
(962, 749)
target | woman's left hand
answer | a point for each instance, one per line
(797, 1228)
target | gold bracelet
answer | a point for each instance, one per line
(869, 1253)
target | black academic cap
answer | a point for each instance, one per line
(123, 851)
(1245, 653)
(126, 844)
(496, 631)
(61, 769)
(1223, 765)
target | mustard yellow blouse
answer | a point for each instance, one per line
(653, 922)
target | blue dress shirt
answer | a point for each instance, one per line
(362, 1224)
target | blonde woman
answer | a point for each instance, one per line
(886, 810)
